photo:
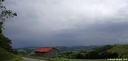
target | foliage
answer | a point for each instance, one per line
(26, 51)
(104, 48)
(16, 59)
(66, 54)
(75, 48)
(5, 43)
(65, 59)
(63, 49)
(5, 14)
(7, 56)
(97, 53)
(4, 55)
(121, 49)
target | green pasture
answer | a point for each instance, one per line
(64, 59)
(122, 49)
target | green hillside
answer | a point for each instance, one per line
(6, 56)
(121, 49)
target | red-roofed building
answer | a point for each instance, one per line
(47, 52)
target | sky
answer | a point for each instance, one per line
(67, 22)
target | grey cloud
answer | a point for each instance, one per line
(67, 22)
(107, 33)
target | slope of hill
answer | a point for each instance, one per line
(121, 49)
(26, 51)
(6, 56)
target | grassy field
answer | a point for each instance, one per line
(122, 49)
(65, 59)
(6, 56)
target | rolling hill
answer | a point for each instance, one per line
(29, 50)
(121, 49)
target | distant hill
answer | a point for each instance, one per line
(77, 48)
(29, 50)
(26, 50)
(121, 49)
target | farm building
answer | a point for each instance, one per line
(49, 52)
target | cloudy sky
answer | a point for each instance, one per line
(67, 22)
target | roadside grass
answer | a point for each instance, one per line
(64, 59)
(16, 59)
(6, 56)
(41, 58)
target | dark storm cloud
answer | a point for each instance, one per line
(67, 22)
(105, 33)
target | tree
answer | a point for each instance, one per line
(94, 54)
(115, 55)
(5, 14)
(79, 56)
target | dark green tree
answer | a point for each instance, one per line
(115, 55)
(5, 14)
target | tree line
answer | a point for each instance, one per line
(5, 14)
(97, 53)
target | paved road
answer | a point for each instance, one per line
(30, 59)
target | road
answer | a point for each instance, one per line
(30, 59)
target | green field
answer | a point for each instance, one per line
(64, 59)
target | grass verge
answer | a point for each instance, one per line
(7, 56)
(16, 59)
(65, 59)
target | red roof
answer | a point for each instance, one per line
(44, 49)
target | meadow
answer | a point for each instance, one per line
(122, 50)
(64, 59)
